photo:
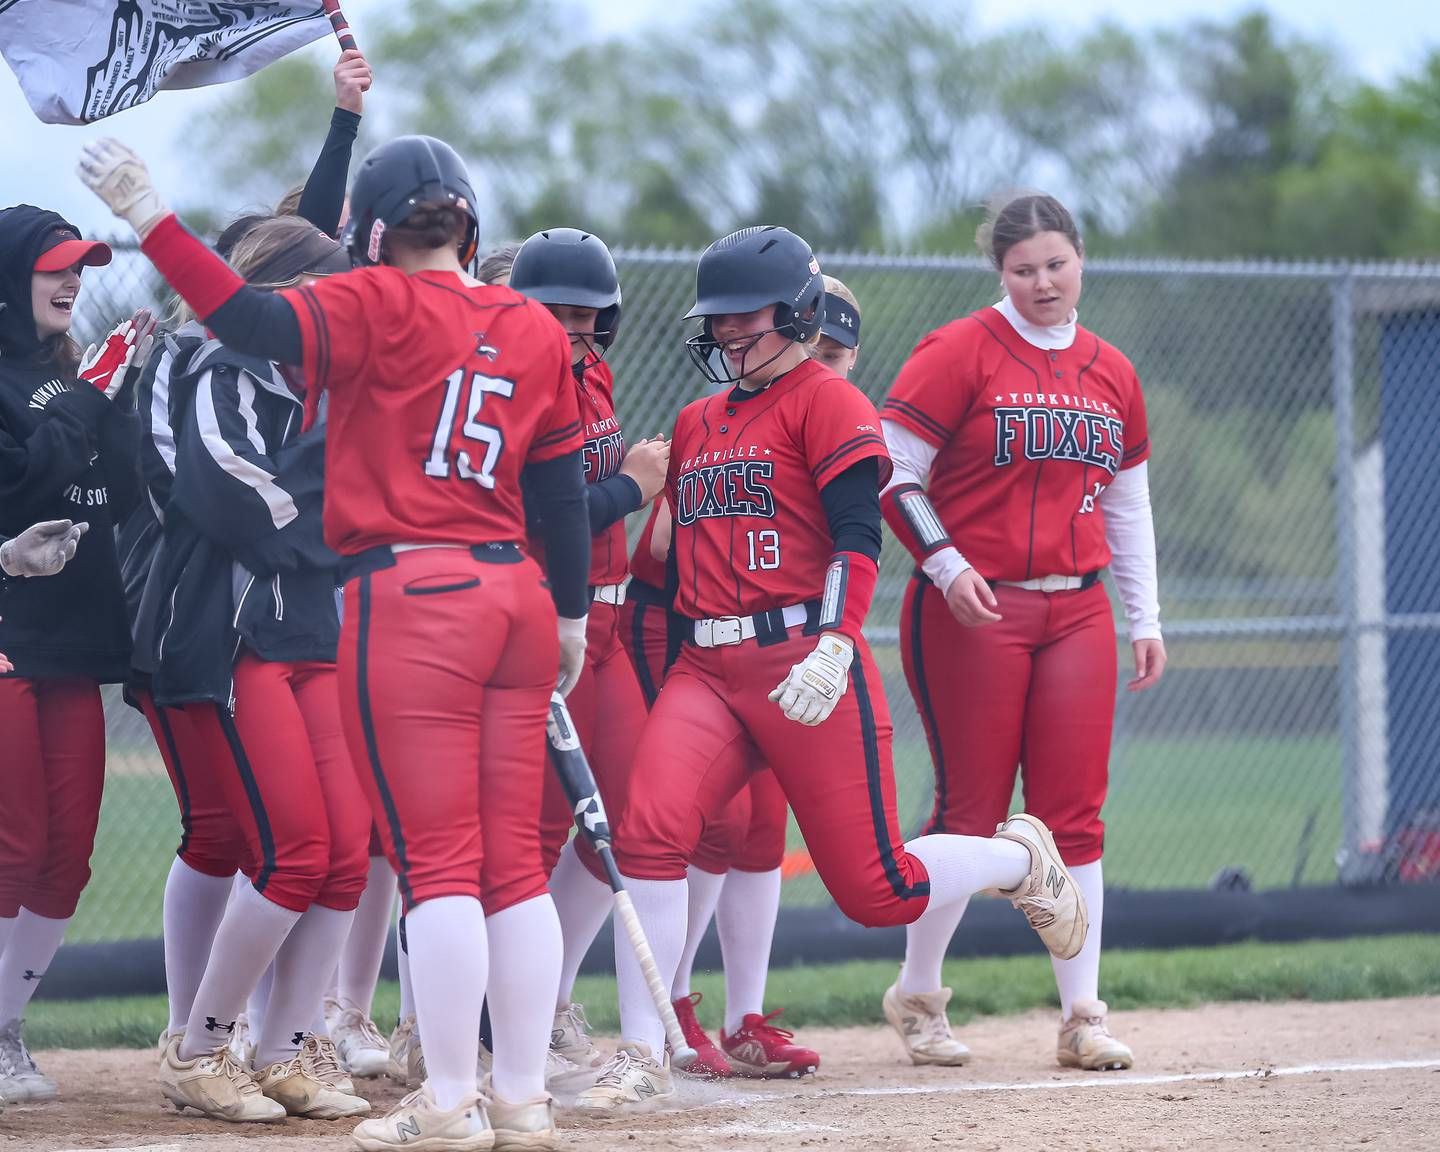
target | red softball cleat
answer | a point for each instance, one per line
(710, 1062)
(761, 1050)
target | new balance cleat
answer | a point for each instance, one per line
(630, 1081)
(214, 1083)
(1085, 1040)
(1049, 897)
(417, 1124)
(359, 1046)
(570, 1036)
(530, 1124)
(761, 1050)
(295, 1088)
(920, 1020)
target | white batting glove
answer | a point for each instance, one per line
(809, 694)
(120, 178)
(125, 350)
(572, 653)
(42, 549)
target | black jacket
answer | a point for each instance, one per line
(66, 452)
(242, 561)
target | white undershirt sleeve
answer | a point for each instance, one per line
(912, 457)
(1130, 533)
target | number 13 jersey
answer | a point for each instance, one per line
(431, 420)
(746, 469)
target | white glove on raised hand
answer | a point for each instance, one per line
(572, 653)
(42, 549)
(809, 694)
(120, 178)
(125, 350)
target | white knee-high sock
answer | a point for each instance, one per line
(582, 903)
(525, 946)
(250, 934)
(33, 942)
(449, 965)
(662, 907)
(258, 1002)
(194, 905)
(1079, 978)
(300, 968)
(704, 894)
(365, 946)
(926, 942)
(7, 926)
(402, 965)
(960, 866)
(749, 905)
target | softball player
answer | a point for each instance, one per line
(67, 451)
(440, 391)
(774, 485)
(1028, 433)
(572, 273)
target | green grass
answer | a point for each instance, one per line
(844, 994)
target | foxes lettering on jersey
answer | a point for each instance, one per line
(745, 480)
(1028, 438)
(437, 403)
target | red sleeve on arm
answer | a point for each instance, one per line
(841, 428)
(560, 431)
(849, 588)
(930, 395)
(203, 280)
(1137, 427)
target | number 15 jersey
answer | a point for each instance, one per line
(439, 394)
(746, 469)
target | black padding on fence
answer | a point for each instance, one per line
(991, 928)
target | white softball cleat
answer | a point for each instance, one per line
(920, 1020)
(22, 1079)
(1085, 1040)
(416, 1124)
(359, 1046)
(530, 1124)
(1049, 897)
(570, 1036)
(292, 1085)
(630, 1081)
(320, 1060)
(214, 1083)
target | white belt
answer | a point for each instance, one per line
(396, 549)
(609, 594)
(1047, 583)
(725, 630)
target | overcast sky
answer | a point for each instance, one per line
(1380, 37)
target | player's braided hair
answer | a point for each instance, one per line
(440, 225)
(1015, 217)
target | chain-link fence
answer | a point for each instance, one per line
(1293, 411)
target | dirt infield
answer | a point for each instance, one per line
(1229, 1076)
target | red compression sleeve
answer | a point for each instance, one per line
(849, 587)
(203, 280)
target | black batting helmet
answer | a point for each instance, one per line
(394, 180)
(568, 266)
(749, 270)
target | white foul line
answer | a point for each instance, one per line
(1136, 1081)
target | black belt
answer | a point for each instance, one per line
(381, 557)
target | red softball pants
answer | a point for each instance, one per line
(288, 780)
(712, 728)
(1034, 692)
(52, 774)
(447, 660)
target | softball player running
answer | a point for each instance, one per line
(1028, 432)
(775, 488)
(440, 391)
(735, 874)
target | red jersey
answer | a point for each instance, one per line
(745, 479)
(439, 394)
(644, 566)
(1028, 438)
(603, 453)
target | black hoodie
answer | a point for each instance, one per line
(66, 452)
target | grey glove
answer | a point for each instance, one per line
(42, 549)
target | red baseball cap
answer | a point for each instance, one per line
(63, 249)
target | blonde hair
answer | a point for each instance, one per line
(836, 287)
(266, 240)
